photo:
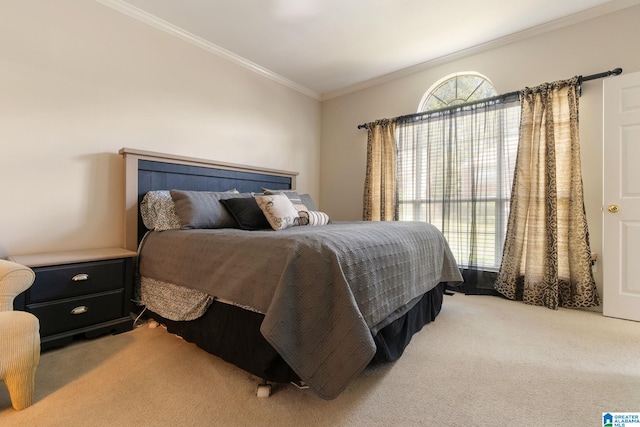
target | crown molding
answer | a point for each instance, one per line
(576, 18)
(149, 19)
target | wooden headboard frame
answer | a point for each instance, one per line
(147, 170)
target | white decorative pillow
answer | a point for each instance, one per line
(313, 218)
(158, 211)
(278, 210)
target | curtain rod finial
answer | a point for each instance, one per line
(616, 72)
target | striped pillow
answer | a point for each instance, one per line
(313, 218)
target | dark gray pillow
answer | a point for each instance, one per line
(247, 213)
(296, 199)
(202, 209)
(308, 202)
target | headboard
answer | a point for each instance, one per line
(146, 171)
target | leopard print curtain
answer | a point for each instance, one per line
(546, 259)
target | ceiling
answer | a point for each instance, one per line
(324, 47)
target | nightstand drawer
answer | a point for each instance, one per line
(73, 313)
(70, 280)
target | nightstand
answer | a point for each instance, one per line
(84, 292)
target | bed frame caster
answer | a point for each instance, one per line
(264, 389)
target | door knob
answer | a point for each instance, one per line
(613, 208)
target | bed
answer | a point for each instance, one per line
(284, 300)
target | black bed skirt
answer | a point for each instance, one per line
(233, 334)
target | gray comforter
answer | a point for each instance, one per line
(322, 289)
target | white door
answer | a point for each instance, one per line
(621, 197)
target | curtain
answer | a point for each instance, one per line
(380, 179)
(547, 259)
(455, 171)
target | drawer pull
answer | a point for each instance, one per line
(80, 309)
(80, 277)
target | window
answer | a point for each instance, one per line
(459, 88)
(455, 166)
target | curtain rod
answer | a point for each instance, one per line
(614, 72)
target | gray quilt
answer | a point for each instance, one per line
(322, 289)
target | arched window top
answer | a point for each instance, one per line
(457, 88)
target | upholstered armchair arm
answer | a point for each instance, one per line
(14, 279)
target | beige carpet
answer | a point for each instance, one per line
(485, 361)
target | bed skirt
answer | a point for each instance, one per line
(233, 334)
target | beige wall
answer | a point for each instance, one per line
(588, 47)
(79, 81)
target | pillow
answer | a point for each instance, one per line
(202, 209)
(247, 213)
(314, 218)
(302, 202)
(308, 202)
(278, 210)
(158, 211)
